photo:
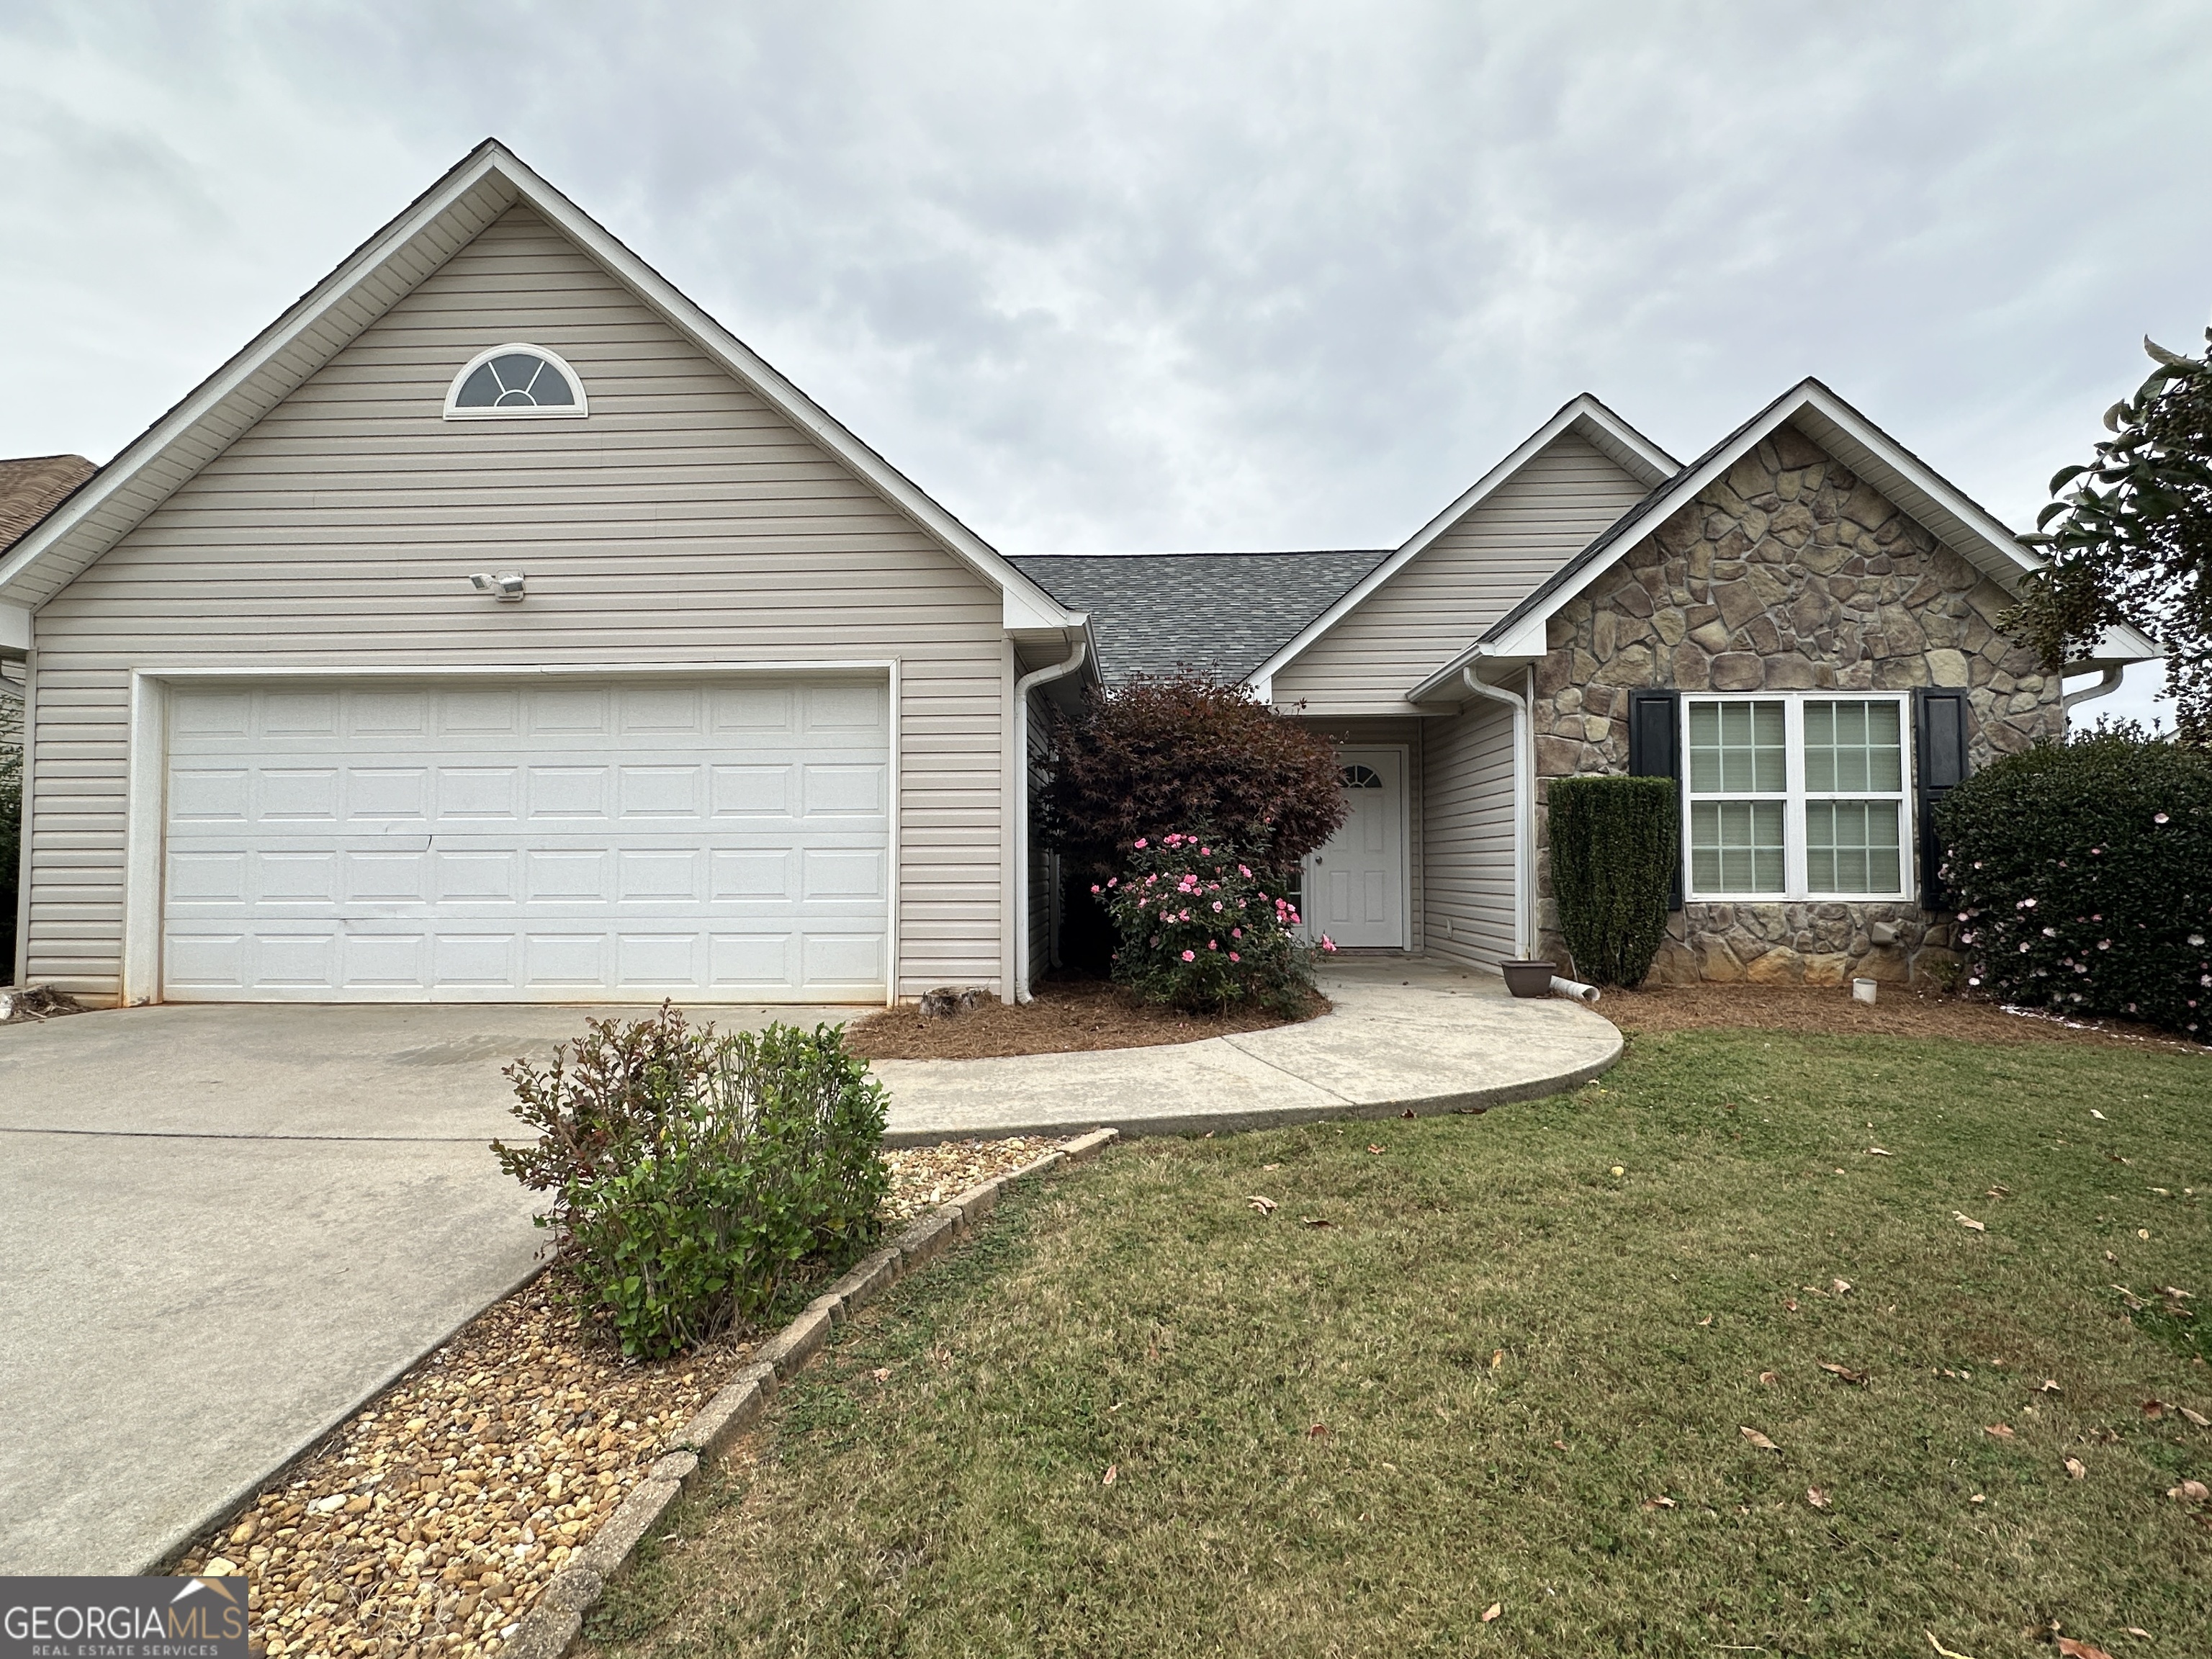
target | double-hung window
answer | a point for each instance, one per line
(1801, 795)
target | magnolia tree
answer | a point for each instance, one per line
(2129, 538)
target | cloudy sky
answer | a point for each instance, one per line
(1138, 276)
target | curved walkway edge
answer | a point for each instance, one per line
(1405, 1034)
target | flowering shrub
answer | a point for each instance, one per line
(2081, 878)
(1200, 930)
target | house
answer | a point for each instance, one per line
(496, 626)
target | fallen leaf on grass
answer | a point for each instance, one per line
(2077, 1469)
(2154, 1409)
(1944, 1652)
(2074, 1649)
(1316, 1221)
(1979, 1498)
(2000, 1432)
(1816, 1498)
(1840, 1287)
(2137, 1629)
(2190, 1491)
(1112, 1469)
(2197, 1418)
(1758, 1439)
(1498, 1359)
(1660, 1502)
(1491, 1611)
(1707, 1319)
(1372, 1148)
(2048, 1385)
(1408, 1112)
(1998, 1192)
(1561, 1444)
(1968, 1221)
(2142, 1233)
(882, 1373)
(1264, 1206)
(1790, 1304)
(1856, 1379)
(1319, 1431)
(1769, 1377)
(1270, 1166)
(1880, 1151)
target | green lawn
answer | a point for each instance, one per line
(1511, 1352)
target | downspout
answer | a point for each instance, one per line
(1523, 791)
(2104, 688)
(1022, 688)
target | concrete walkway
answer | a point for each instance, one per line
(1403, 1035)
(225, 1227)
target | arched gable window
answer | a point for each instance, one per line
(1362, 777)
(511, 380)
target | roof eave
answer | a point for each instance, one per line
(497, 177)
(1584, 415)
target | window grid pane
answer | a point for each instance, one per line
(1735, 846)
(1851, 847)
(1852, 746)
(1737, 748)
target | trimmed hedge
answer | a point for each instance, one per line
(692, 1174)
(2082, 876)
(1615, 845)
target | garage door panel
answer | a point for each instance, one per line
(568, 841)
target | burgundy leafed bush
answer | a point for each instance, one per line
(1153, 756)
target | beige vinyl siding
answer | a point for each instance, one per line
(684, 521)
(1411, 733)
(1432, 610)
(1467, 814)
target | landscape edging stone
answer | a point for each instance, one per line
(552, 1624)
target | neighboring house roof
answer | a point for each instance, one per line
(1222, 614)
(485, 184)
(32, 487)
(1939, 507)
(1583, 417)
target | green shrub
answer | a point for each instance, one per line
(692, 1174)
(2081, 878)
(1200, 930)
(1615, 847)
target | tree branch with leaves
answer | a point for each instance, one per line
(2128, 539)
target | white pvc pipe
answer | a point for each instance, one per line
(1022, 688)
(1524, 943)
(1585, 994)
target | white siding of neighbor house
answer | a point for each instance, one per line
(684, 521)
(1432, 610)
(1467, 814)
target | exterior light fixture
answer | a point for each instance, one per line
(505, 585)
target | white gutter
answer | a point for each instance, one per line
(1523, 795)
(2108, 684)
(1022, 688)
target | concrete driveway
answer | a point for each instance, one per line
(225, 1227)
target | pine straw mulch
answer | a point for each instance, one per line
(1066, 1016)
(430, 1522)
(1902, 1011)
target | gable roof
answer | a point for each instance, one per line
(1221, 614)
(32, 486)
(483, 185)
(1961, 524)
(1583, 417)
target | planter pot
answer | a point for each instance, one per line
(1530, 979)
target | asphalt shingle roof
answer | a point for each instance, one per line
(35, 486)
(1223, 614)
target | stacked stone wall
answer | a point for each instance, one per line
(1789, 575)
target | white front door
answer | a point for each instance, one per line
(563, 840)
(1356, 883)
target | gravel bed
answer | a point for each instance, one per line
(430, 1521)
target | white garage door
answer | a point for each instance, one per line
(558, 840)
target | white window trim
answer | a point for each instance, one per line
(455, 412)
(1796, 884)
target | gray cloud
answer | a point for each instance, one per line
(1176, 275)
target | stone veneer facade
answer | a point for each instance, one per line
(1789, 574)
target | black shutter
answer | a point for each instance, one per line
(1655, 727)
(1938, 751)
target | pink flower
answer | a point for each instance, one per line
(2158, 817)
(1114, 881)
(1217, 904)
(1141, 843)
(1233, 957)
(1190, 956)
(1236, 932)
(1327, 943)
(1213, 944)
(1207, 852)
(1243, 872)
